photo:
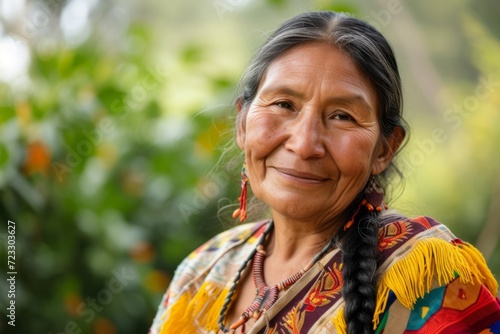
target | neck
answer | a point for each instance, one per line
(294, 240)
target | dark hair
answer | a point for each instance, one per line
(373, 55)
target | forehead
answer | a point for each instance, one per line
(309, 54)
(318, 66)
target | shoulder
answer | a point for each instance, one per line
(417, 241)
(199, 262)
(420, 254)
(194, 269)
(396, 231)
(228, 239)
(429, 280)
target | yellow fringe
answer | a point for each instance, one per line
(432, 259)
(339, 322)
(412, 276)
(475, 257)
(189, 314)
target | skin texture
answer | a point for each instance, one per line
(311, 138)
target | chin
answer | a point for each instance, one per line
(297, 209)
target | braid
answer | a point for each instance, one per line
(359, 258)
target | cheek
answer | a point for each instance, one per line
(353, 151)
(263, 133)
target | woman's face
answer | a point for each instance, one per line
(311, 135)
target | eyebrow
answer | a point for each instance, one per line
(342, 99)
(351, 99)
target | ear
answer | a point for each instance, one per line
(387, 150)
(240, 125)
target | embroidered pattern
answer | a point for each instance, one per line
(201, 282)
(392, 234)
(325, 288)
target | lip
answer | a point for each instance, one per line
(304, 177)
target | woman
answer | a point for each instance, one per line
(319, 122)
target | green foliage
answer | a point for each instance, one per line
(108, 195)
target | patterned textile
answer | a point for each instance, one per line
(429, 282)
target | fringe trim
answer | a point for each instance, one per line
(475, 257)
(189, 314)
(411, 277)
(339, 322)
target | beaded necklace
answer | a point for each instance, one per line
(265, 296)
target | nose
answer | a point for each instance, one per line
(306, 136)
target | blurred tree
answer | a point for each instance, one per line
(108, 195)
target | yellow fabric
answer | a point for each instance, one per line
(178, 311)
(475, 257)
(339, 322)
(410, 277)
(190, 314)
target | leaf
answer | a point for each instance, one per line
(4, 155)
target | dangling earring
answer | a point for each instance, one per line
(242, 210)
(373, 199)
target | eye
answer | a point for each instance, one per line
(342, 116)
(284, 105)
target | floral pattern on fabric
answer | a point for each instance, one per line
(325, 289)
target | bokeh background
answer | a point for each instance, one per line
(116, 123)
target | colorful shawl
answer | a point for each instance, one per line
(429, 282)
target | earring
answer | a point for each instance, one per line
(373, 200)
(242, 210)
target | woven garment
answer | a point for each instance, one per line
(429, 282)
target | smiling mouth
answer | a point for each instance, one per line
(301, 176)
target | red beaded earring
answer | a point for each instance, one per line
(373, 200)
(242, 210)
